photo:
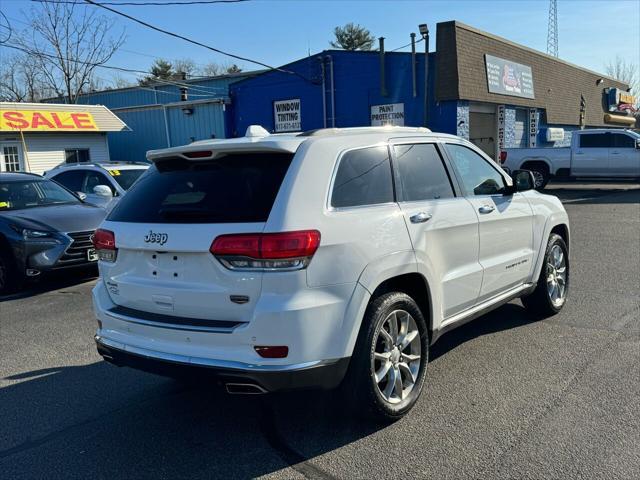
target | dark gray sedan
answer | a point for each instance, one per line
(43, 227)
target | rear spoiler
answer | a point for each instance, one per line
(213, 149)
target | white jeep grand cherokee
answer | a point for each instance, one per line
(309, 260)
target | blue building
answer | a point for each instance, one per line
(166, 114)
(481, 87)
(494, 92)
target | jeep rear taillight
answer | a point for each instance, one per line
(266, 251)
(104, 241)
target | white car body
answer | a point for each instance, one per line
(471, 254)
(108, 172)
(593, 153)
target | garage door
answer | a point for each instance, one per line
(482, 131)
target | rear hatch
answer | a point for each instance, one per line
(164, 228)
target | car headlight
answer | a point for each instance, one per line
(35, 234)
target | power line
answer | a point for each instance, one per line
(191, 87)
(194, 42)
(407, 45)
(144, 4)
(8, 28)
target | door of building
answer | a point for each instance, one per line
(482, 131)
(11, 159)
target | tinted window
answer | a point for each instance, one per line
(72, 180)
(94, 179)
(594, 140)
(32, 193)
(421, 173)
(363, 178)
(231, 189)
(623, 141)
(125, 178)
(477, 175)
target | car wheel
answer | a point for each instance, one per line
(10, 278)
(388, 368)
(540, 176)
(551, 291)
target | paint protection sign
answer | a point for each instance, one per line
(286, 115)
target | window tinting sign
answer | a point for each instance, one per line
(286, 114)
(509, 78)
(389, 114)
(533, 127)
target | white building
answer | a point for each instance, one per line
(35, 137)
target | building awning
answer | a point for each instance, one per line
(57, 118)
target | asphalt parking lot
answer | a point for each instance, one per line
(507, 396)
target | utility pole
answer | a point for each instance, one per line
(552, 29)
(424, 31)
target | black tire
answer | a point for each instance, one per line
(11, 280)
(540, 301)
(540, 173)
(359, 386)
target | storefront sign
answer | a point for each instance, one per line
(389, 114)
(34, 120)
(554, 134)
(286, 114)
(620, 101)
(501, 110)
(533, 127)
(509, 78)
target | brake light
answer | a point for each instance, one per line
(503, 156)
(201, 154)
(104, 242)
(266, 251)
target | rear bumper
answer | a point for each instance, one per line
(325, 374)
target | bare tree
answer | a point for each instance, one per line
(21, 80)
(626, 72)
(118, 81)
(68, 42)
(185, 65)
(213, 69)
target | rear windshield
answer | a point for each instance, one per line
(125, 178)
(231, 189)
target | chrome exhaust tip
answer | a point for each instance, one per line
(244, 389)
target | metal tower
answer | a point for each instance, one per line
(552, 29)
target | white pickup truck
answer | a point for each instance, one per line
(593, 153)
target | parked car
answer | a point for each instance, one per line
(102, 183)
(43, 227)
(327, 258)
(593, 153)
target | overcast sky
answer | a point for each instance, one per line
(277, 32)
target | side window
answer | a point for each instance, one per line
(594, 140)
(477, 175)
(363, 178)
(421, 172)
(94, 179)
(72, 180)
(621, 140)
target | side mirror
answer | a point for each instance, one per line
(638, 144)
(523, 180)
(82, 196)
(103, 191)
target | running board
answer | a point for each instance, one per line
(481, 309)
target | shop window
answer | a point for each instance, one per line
(77, 155)
(421, 173)
(363, 178)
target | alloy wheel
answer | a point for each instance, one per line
(395, 360)
(538, 179)
(556, 276)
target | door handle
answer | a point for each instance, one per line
(486, 209)
(420, 217)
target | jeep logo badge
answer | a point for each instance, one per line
(160, 238)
